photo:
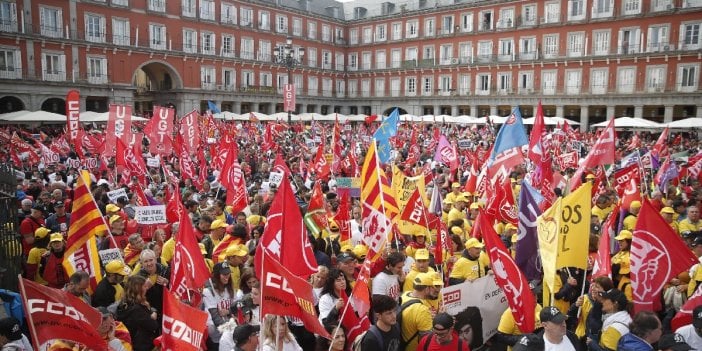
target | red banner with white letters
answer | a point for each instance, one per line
(56, 314)
(72, 115)
(119, 126)
(190, 132)
(183, 326)
(159, 131)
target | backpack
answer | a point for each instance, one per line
(431, 335)
(356, 345)
(400, 309)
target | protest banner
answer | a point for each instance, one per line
(116, 194)
(150, 214)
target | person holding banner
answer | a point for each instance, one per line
(473, 264)
(621, 263)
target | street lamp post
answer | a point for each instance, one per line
(289, 60)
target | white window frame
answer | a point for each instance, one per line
(396, 58)
(504, 83)
(327, 87)
(157, 5)
(412, 29)
(527, 48)
(246, 48)
(601, 42)
(367, 35)
(366, 60)
(410, 86)
(506, 50)
(365, 88)
(99, 63)
(380, 59)
(352, 88)
(326, 33)
(188, 8)
(529, 15)
(445, 85)
(95, 35)
(264, 20)
(602, 8)
(577, 10)
(157, 36)
(395, 84)
(631, 7)
(8, 17)
(353, 61)
(690, 35)
(121, 38)
(264, 51)
(552, 12)
(626, 79)
(190, 41)
(13, 68)
(265, 79)
(208, 43)
(297, 26)
(311, 30)
(464, 84)
(656, 76)
(483, 83)
(429, 27)
(525, 82)
(466, 22)
(56, 72)
(281, 24)
(465, 52)
(208, 78)
(228, 50)
(658, 38)
(326, 59)
(379, 88)
(549, 81)
(573, 81)
(484, 25)
(599, 81)
(312, 86)
(575, 47)
(228, 13)
(248, 79)
(397, 31)
(506, 18)
(54, 29)
(230, 86)
(246, 17)
(381, 32)
(687, 81)
(427, 85)
(340, 88)
(550, 46)
(353, 36)
(311, 57)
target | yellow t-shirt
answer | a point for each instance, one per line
(509, 326)
(685, 225)
(408, 285)
(236, 277)
(695, 278)
(416, 318)
(469, 269)
(34, 258)
(168, 250)
(119, 292)
(255, 220)
(601, 213)
(584, 312)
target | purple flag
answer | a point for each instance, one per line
(527, 246)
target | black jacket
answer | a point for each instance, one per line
(535, 341)
(143, 329)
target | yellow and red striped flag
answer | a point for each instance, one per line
(81, 243)
(379, 205)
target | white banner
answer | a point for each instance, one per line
(275, 178)
(110, 254)
(153, 162)
(480, 300)
(116, 194)
(150, 214)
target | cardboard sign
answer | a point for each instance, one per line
(465, 144)
(150, 214)
(152, 162)
(109, 255)
(116, 194)
(274, 178)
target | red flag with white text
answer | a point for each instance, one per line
(183, 326)
(119, 126)
(602, 153)
(414, 210)
(190, 132)
(159, 130)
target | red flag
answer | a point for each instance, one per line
(360, 298)
(73, 115)
(132, 163)
(189, 270)
(443, 241)
(660, 149)
(343, 218)
(284, 229)
(187, 168)
(321, 167)
(316, 216)
(284, 293)
(509, 277)
(603, 264)
(684, 316)
(159, 131)
(657, 255)
(338, 147)
(624, 177)
(56, 314)
(414, 151)
(635, 142)
(415, 211)
(500, 203)
(601, 153)
(190, 132)
(536, 147)
(119, 126)
(183, 326)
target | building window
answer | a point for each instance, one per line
(339, 61)
(551, 46)
(264, 20)
(464, 84)
(504, 83)
(246, 49)
(526, 82)
(312, 57)
(576, 10)
(429, 27)
(327, 89)
(688, 76)
(281, 24)
(397, 31)
(207, 10)
(552, 13)
(157, 5)
(264, 51)
(97, 70)
(297, 27)
(529, 15)
(266, 79)
(412, 30)
(548, 82)
(485, 51)
(690, 36)
(447, 25)
(576, 43)
(94, 28)
(312, 30)
(486, 20)
(465, 52)
(658, 38)
(188, 8)
(53, 67)
(248, 79)
(655, 79)
(120, 2)
(380, 87)
(10, 64)
(353, 62)
(411, 86)
(8, 16)
(428, 52)
(208, 43)
(207, 77)
(598, 81)
(632, 7)
(326, 33)
(381, 32)
(51, 22)
(380, 59)
(326, 60)
(427, 86)
(602, 8)
(228, 13)
(446, 54)
(189, 41)
(411, 55)
(661, 5)
(246, 17)
(157, 36)
(506, 18)
(527, 48)
(396, 58)
(626, 79)
(228, 79)
(353, 36)
(395, 87)
(120, 31)
(353, 88)
(445, 85)
(467, 22)
(340, 88)
(366, 61)
(573, 80)
(482, 84)
(365, 88)
(312, 86)
(367, 35)
(506, 50)
(600, 42)
(227, 45)
(629, 39)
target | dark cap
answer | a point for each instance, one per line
(243, 332)
(552, 314)
(221, 268)
(10, 328)
(616, 295)
(345, 256)
(58, 204)
(444, 320)
(38, 206)
(697, 317)
(674, 342)
(696, 241)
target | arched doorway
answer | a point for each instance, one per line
(400, 110)
(55, 105)
(150, 80)
(11, 104)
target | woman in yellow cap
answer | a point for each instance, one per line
(621, 263)
(41, 244)
(419, 241)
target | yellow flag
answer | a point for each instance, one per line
(547, 229)
(575, 228)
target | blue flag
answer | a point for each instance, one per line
(213, 107)
(511, 135)
(388, 128)
(384, 150)
(527, 250)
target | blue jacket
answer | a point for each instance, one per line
(631, 342)
(12, 302)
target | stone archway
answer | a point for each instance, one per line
(400, 110)
(55, 105)
(150, 80)
(11, 104)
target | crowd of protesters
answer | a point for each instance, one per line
(404, 279)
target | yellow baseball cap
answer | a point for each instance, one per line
(56, 237)
(428, 279)
(115, 218)
(421, 254)
(117, 267)
(474, 243)
(218, 223)
(510, 226)
(635, 204)
(456, 230)
(236, 250)
(456, 185)
(360, 251)
(454, 215)
(668, 210)
(447, 202)
(590, 176)
(112, 208)
(461, 198)
(623, 235)
(41, 233)
(475, 206)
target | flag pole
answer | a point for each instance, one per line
(32, 327)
